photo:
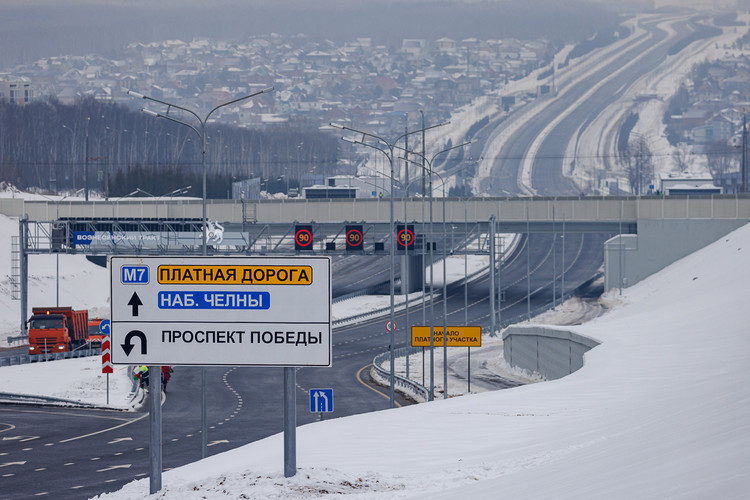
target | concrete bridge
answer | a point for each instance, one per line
(652, 232)
(512, 214)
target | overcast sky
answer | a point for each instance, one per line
(33, 29)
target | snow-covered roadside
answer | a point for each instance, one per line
(487, 361)
(77, 380)
(659, 411)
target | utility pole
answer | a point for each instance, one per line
(424, 174)
(86, 161)
(743, 170)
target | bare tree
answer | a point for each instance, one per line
(638, 164)
(722, 158)
(680, 157)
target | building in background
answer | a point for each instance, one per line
(17, 90)
(688, 185)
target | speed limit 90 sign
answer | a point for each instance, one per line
(303, 237)
(405, 236)
(354, 238)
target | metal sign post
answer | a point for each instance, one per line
(219, 311)
(290, 421)
(154, 418)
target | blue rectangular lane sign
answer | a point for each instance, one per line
(321, 400)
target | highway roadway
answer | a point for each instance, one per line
(76, 453)
(532, 157)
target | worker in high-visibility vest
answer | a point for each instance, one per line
(141, 374)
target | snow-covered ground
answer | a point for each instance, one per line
(659, 411)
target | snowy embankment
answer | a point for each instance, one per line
(658, 411)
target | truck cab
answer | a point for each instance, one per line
(57, 329)
(48, 333)
(95, 334)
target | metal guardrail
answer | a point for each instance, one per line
(407, 385)
(348, 296)
(23, 359)
(19, 338)
(377, 312)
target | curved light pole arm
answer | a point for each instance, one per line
(264, 91)
(368, 134)
(430, 160)
(424, 129)
(172, 119)
(168, 104)
(361, 143)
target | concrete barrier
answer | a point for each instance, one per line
(549, 351)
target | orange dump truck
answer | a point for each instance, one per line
(57, 329)
(95, 335)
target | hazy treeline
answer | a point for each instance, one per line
(48, 144)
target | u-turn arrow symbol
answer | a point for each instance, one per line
(127, 346)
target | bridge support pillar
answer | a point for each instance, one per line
(411, 272)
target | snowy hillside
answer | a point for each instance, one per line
(83, 285)
(659, 411)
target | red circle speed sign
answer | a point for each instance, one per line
(405, 238)
(354, 238)
(303, 237)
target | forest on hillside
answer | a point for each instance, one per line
(50, 146)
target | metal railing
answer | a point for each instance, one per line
(408, 386)
(23, 359)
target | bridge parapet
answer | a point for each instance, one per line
(627, 210)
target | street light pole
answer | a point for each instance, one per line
(431, 170)
(86, 161)
(389, 151)
(202, 134)
(72, 150)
